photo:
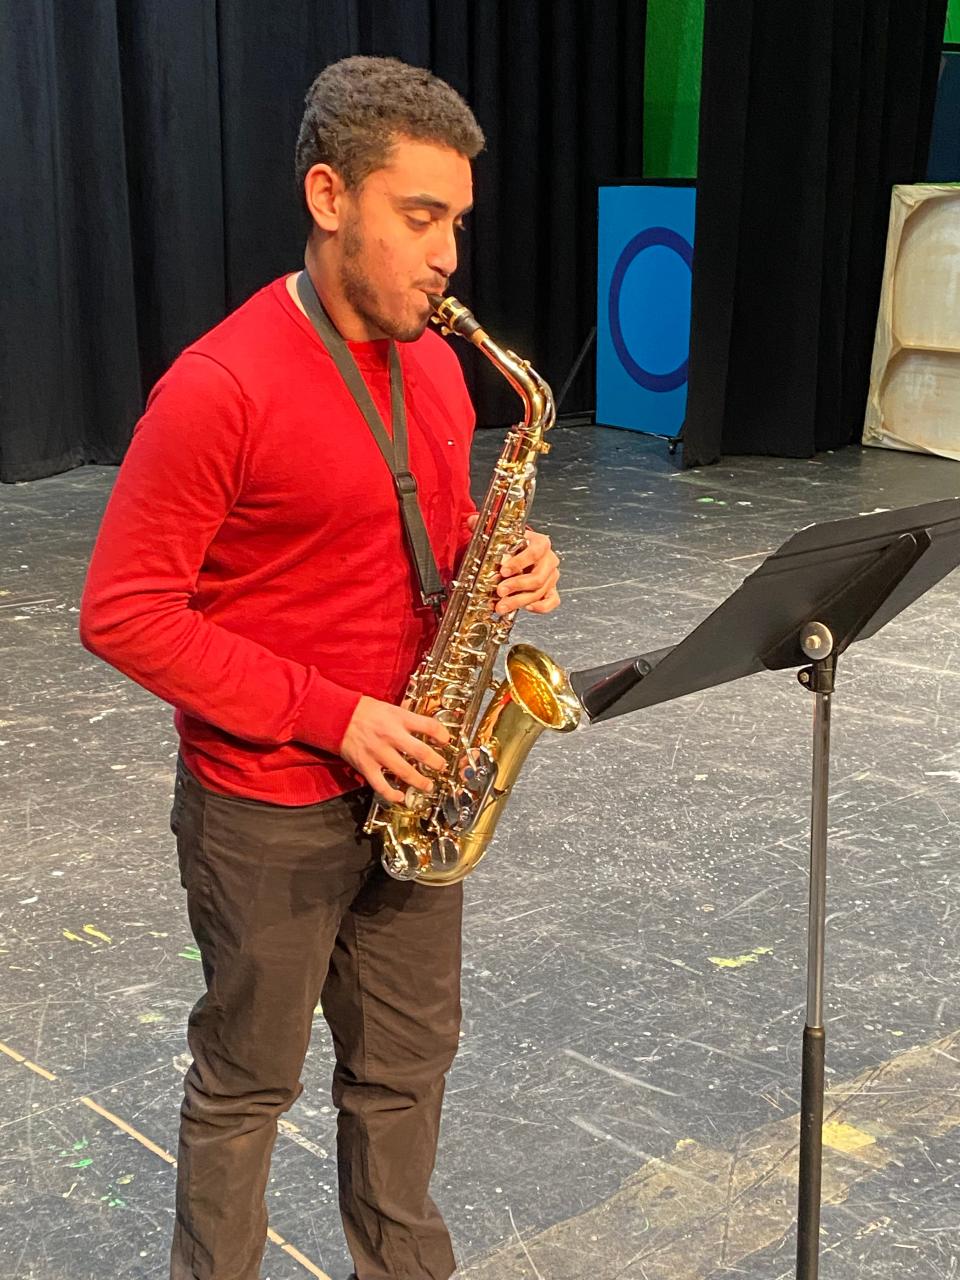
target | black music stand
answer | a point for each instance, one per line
(827, 586)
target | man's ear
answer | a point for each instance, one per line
(323, 190)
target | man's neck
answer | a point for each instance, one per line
(346, 321)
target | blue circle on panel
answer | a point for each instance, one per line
(648, 239)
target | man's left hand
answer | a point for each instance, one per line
(528, 580)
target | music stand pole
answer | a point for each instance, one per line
(816, 642)
(850, 609)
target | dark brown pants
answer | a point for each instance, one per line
(290, 907)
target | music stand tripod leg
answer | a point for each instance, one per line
(816, 640)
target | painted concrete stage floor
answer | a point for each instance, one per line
(624, 1103)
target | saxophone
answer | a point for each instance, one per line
(438, 838)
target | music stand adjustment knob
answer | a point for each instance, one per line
(816, 641)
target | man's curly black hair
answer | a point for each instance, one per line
(356, 109)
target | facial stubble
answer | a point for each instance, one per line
(360, 291)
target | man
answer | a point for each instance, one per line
(252, 569)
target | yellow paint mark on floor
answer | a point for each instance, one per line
(95, 933)
(38, 1071)
(737, 962)
(128, 1129)
(701, 1210)
(732, 962)
(845, 1137)
(296, 1255)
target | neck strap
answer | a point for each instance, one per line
(394, 450)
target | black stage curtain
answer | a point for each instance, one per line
(809, 114)
(147, 151)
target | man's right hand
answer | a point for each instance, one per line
(378, 738)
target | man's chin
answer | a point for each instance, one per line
(411, 332)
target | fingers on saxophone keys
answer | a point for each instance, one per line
(508, 597)
(424, 754)
(428, 727)
(534, 590)
(404, 772)
(383, 789)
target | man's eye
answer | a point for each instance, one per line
(420, 224)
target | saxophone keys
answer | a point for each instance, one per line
(415, 800)
(399, 859)
(455, 809)
(477, 767)
(444, 853)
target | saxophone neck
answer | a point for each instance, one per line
(535, 392)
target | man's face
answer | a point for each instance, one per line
(398, 236)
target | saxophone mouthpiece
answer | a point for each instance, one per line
(436, 301)
(457, 318)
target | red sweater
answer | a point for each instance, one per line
(251, 567)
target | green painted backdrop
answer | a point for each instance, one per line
(672, 88)
(953, 22)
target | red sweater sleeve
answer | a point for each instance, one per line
(182, 473)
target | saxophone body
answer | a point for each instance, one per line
(438, 838)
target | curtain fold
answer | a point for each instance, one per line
(809, 115)
(67, 307)
(153, 150)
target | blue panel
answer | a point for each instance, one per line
(644, 267)
(943, 164)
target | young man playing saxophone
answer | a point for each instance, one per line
(252, 570)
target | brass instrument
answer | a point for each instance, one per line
(439, 838)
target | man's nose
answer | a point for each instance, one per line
(443, 251)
